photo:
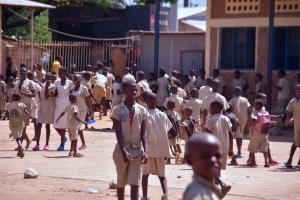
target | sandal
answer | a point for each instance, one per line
(71, 153)
(274, 162)
(21, 153)
(288, 165)
(78, 155)
(233, 163)
(82, 147)
(60, 148)
(28, 144)
(36, 148)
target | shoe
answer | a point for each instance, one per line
(288, 165)
(21, 153)
(28, 144)
(237, 155)
(274, 162)
(165, 197)
(168, 162)
(36, 148)
(46, 148)
(60, 148)
(78, 155)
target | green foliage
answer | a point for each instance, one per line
(23, 32)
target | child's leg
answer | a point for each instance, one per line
(47, 133)
(224, 188)
(82, 138)
(164, 185)
(71, 147)
(121, 193)
(86, 119)
(239, 142)
(38, 133)
(266, 160)
(74, 142)
(35, 129)
(292, 152)
(134, 193)
(253, 162)
(145, 185)
(62, 133)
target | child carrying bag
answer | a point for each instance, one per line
(194, 127)
(173, 132)
(263, 124)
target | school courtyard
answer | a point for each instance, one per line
(62, 177)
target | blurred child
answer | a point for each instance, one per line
(220, 126)
(192, 75)
(259, 85)
(205, 157)
(2, 93)
(222, 88)
(201, 81)
(142, 85)
(174, 97)
(174, 76)
(143, 97)
(188, 84)
(181, 93)
(73, 124)
(238, 81)
(16, 123)
(116, 92)
(195, 104)
(205, 90)
(157, 127)
(235, 126)
(152, 83)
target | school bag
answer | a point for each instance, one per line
(194, 127)
(263, 124)
(173, 132)
(233, 120)
(15, 118)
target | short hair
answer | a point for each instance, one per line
(237, 72)
(259, 75)
(58, 57)
(29, 74)
(39, 65)
(2, 75)
(260, 95)
(282, 72)
(217, 71)
(64, 69)
(186, 77)
(177, 82)
(174, 87)
(86, 74)
(259, 102)
(95, 67)
(53, 73)
(192, 70)
(202, 70)
(238, 88)
(172, 102)
(8, 58)
(151, 73)
(127, 68)
(17, 96)
(49, 74)
(162, 73)
(217, 104)
(144, 94)
(117, 77)
(141, 73)
(127, 84)
(72, 96)
(152, 96)
(23, 66)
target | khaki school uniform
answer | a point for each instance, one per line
(16, 131)
(27, 87)
(196, 105)
(151, 83)
(2, 85)
(178, 103)
(239, 83)
(157, 127)
(41, 75)
(214, 96)
(201, 189)
(222, 82)
(143, 84)
(86, 83)
(260, 86)
(184, 133)
(108, 85)
(200, 82)
(162, 92)
(189, 86)
(72, 123)
(176, 118)
(47, 106)
(220, 125)
(99, 91)
(240, 110)
(83, 109)
(258, 142)
(128, 77)
(181, 93)
(203, 92)
(283, 96)
(294, 108)
(129, 173)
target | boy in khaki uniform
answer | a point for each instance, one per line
(241, 109)
(73, 124)
(2, 93)
(204, 155)
(157, 127)
(129, 121)
(293, 115)
(174, 97)
(195, 104)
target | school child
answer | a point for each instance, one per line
(298, 81)
(192, 76)
(238, 81)
(201, 81)
(129, 119)
(259, 85)
(180, 78)
(174, 76)
(62, 90)
(143, 97)
(86, 81)
(116, 92)
(205, 90)
(2, 93)
(195, 104)
(152, 83)
(73, 124)
(259, 132)
(205, 157)
(220, 126)
(241, 109)
(162, 89)
(10, 89)
(54, 77)
(181, 93)
(174, 97)
(45, 112)
(108, 85)
(84, 105)
(188, 84)
(293, 115)
(222, 88)
(142, 85)
(157, 127)
(16, 124)
(175, 120)
(41, 73)
(214, 96)
(27, 90)
(127, 76)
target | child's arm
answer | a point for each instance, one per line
(230, 151)
(182, 125)
(32, 94)
(60, 116)
(178, 131)
(27, 112)
(78, 119)
(144, 142)
(277, 116)
(88, 103)
(3, 91)
(289, 118)
(126, 156)
(119, 91)
(253, 122)
(204, 116)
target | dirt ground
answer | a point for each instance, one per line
(62, 177)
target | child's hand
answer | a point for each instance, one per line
(85, 123)
(273, 123)
(145, 158)
(230, 153)
(288, 123)
(126, 157)
(57, 121)
(281, 116)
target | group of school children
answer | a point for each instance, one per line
(150, 119)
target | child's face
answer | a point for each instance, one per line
(87, 78)
(264, 98)
(236, 75)
(77, 80)
(54, 78)
(237, 92)
(215, 73)
(187, 113)
(150, 78)
(192, 73)
(131, 92)
(61, 74)
(256, 79)
(3, 78)
(174, 74)
(215, 86)
(257, 106)
(174, 90)
(297, 91)
(72, 99)
(279, 75)
(12, 85)
(202, 74)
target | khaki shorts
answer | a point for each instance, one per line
(256, 145)
(240, 131)
(155, 166)
(128, 173)
(73, 133)
(297, 137)
(224, 161)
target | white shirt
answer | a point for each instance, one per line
(192, 78)
(260, 87)
(221, 90)
(157, 127)
(163, 84)
(203, 92)
(200, 82)
(238, 82)
(143, 84)
(214, 97)
(128, 77)
(285, 85)
(100, 80)
(178, 103)
(181, 93)
(110, 79)
(196, 105)
(240, 108)
(35, 100)
(189, 86)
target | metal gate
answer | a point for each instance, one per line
(191, 59)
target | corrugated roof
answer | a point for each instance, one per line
(190, 11)
(201, 25)
(25, 3)
(169, 32)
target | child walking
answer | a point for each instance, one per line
(174, 97)
(157, 127)
(129, 119)
(16, 123)
(73, 123)
(195, 104)
(2, 93)
(116, 92)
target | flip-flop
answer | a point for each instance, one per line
(71, 153)
(21, 153)
(288, 165)
(78, 155)
(233, 163)
(28, 144)
(82, 147)
(237, 155)
(60, 148)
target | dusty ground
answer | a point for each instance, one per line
(62, 177)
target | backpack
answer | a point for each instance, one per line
(233, 121)
(15, 118)
(194, 127)
(263, 125)
(173, 132)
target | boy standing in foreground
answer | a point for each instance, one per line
(157, 127)
(129, 120)
(205, 157)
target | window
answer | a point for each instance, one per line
(287, 48)
(287, 6)
(242, 6)
(237, 48)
